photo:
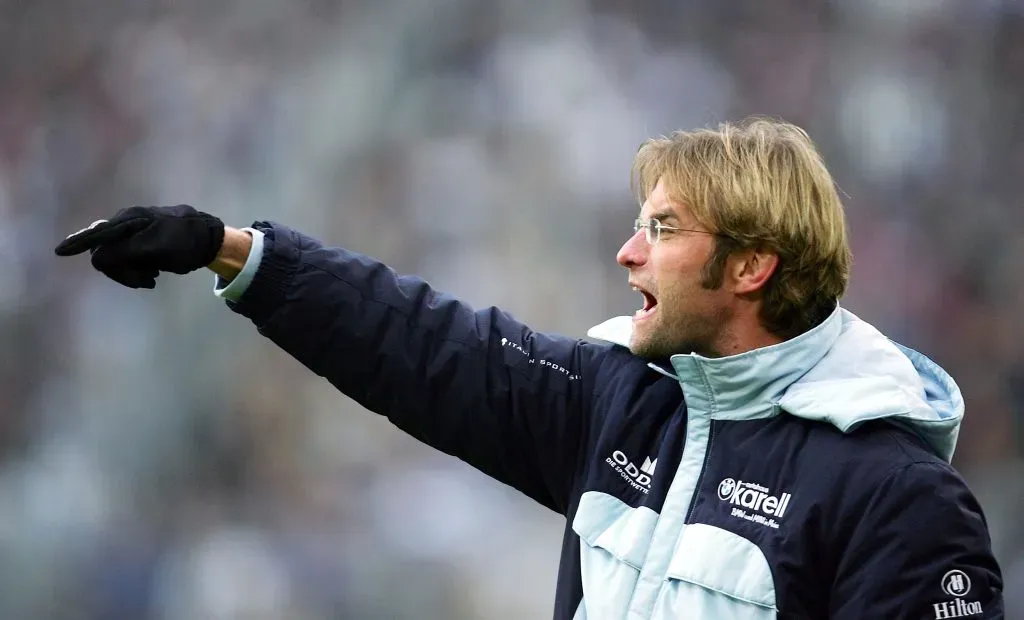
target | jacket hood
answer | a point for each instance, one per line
(843, 372)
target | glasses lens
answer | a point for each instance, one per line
(653, 232)
(650, 228)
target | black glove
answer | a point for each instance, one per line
(135, 245)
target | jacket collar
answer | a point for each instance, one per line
(738, 387)
(843, 372)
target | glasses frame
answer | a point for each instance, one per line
(652, 229)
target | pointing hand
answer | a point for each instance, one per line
(137, 243)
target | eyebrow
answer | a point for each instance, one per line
(663, 216)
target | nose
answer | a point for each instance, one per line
(634, 251)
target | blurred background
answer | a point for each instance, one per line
(159, 460)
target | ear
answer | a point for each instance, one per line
(749, 270)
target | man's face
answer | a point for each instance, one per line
(679, 315)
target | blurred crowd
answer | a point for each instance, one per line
(159, 460)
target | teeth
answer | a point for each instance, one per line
(642, 313)
(644, 310)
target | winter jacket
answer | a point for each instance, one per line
(809, 479)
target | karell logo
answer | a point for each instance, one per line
(638, 477)
(755, 497)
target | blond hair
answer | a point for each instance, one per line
(759, 183)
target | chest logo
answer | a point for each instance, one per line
(753, 502)
(638, 477)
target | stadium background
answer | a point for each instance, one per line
(160, 460)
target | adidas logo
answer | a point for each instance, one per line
(637, 477)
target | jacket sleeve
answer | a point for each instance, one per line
(920, 550)
(475, 384)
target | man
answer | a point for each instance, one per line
(741, 447)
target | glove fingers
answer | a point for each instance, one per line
(134, 278)
(117, 255)
(117, 263)
(99, 233)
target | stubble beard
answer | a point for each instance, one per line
(676, 334)
(659, 340)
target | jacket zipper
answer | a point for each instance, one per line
(703, 468)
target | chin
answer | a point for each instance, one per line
(645, 349)
(636, 346)
(651, 348)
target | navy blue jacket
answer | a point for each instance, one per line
(809, 479)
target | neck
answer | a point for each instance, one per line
(742, 334)
(735, 346)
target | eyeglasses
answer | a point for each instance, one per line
(652, 229)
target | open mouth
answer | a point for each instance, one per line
(650, 304)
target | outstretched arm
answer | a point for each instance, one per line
(476, 384)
